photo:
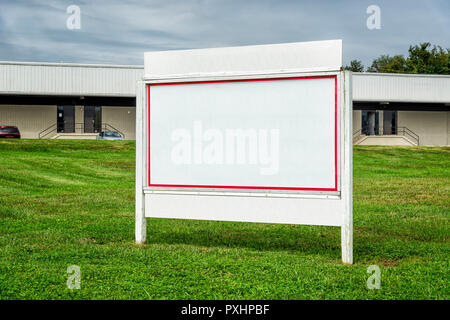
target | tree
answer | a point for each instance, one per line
(422, 59)
(355, 66)
(388, 64)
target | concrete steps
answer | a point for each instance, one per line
(75, 136)
(384, 140)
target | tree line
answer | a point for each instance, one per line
(421, 58)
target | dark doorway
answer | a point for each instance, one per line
(92, 119)
(370, 123)
(65, 119)
(389, 122)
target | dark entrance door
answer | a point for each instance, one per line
(389, 122)
(65, 119)
(92, 119)
(370, 123)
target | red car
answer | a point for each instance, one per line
(9, 132)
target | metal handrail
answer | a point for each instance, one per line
(357, 134)
(43, 133)
(106, 125)
(404, 131)
(77, 126)
(412, 133)
(414, 136)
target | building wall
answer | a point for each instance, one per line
(29, 119)
(121, 118)
(431, 126)
(356, 120)
(33, 119)
(448, 128)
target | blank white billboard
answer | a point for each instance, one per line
(254, 133)
(261, 134)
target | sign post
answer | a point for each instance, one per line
(252, 134)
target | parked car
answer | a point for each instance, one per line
(109, 135)
(9, 132)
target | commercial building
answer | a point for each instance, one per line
(59, 100)
(56, 100)
(401, 109)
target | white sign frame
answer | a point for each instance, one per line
(310, 207)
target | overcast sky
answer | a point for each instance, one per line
(119, 31)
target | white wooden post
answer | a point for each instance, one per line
(347, 189)
(141, 228)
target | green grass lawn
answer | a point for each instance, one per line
(68, 203)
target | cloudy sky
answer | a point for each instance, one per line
(119, 31)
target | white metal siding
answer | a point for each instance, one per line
(401, 87)
(111, 80)
(69, 79)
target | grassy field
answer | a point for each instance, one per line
(68, 203)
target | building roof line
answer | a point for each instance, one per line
(63, 64)
(380, 74)
(124, 66)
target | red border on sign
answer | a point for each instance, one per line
(250, 187)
